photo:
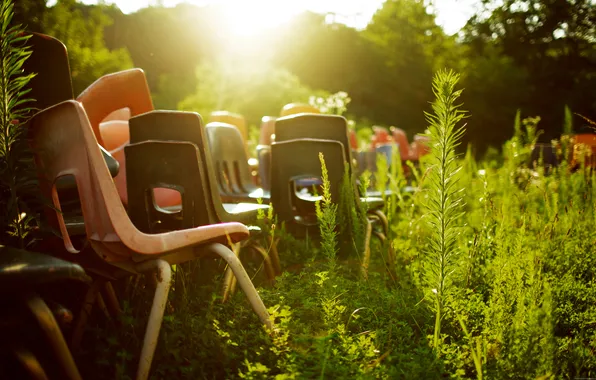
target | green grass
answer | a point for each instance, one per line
(520, 302)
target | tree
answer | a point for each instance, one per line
(80, 28)
(553, 40)
(412, 47)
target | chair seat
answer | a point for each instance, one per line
(253, 196)
(372, 202)
(23, 269)
(243, 208)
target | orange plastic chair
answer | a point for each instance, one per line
(295, 108)
(104, 100)
(64, 144)
(267, 129)
(588, 141)
(236, 120)
(400, 137)
(422, 145)
(353, 139)
(381, 136)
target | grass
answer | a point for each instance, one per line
(519, 304)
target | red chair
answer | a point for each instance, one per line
(400, 137)
(64, 144)
(112, 93)
(380, 137)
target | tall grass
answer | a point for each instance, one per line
(445, 200)
(15, 163)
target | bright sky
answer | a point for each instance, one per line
(250, 16)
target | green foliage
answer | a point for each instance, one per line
(82, 31)
(326, 216)
(251, 90)
(15, 160)
(445, 198)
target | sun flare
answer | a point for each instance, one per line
(249, 18)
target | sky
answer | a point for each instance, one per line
(451, 14)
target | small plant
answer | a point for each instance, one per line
(326, 215)
(15, 163)
(445, 198)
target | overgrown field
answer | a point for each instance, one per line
(516, 294)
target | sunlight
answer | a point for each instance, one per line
(249, 18)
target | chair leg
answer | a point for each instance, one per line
(366, 253)
(274, 255)
(384, 221)
(86, 309)
(102, 306)
(269, 271)
(391, 261)
(164, 281)
(244, 282)
(111, 299)
(267, 260)
(229, 279)
(51, 330)
(30, 363)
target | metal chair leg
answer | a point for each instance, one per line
(384, 221)
(51, 330)
(228, 283)
(366, 254)
(267, 260)
(30, 363)
(111, 299)
(86, 309)
(274, 254)
(269, 271)
(244, 281)
(164, 280)
(391, 262)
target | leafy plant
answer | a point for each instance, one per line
(15, 162)
(445, 198)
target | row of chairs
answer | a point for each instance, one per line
(168, 189)
(66, 141)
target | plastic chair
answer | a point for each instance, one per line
(380, 137)
(286, 170)
(326, 127)
(63, 143)
(22, 275)
(353, 139)
(192, 175)
(400, 137)
(231, 165)
(234, 119)
(266, 137)
(296, 108)
(267, 129)
(422, 145)
(584, 150)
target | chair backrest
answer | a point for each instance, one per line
(64, 144)
(313, 126)
(400, 137)
(180, 126)
(353, 139)
(230, 160)
(296, 108)
(381, 136)
(296, 159)
(49, 60)
(423, 143)
(174, 165)
(267, 129)
(234, 119)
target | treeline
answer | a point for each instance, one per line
(535, 55)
